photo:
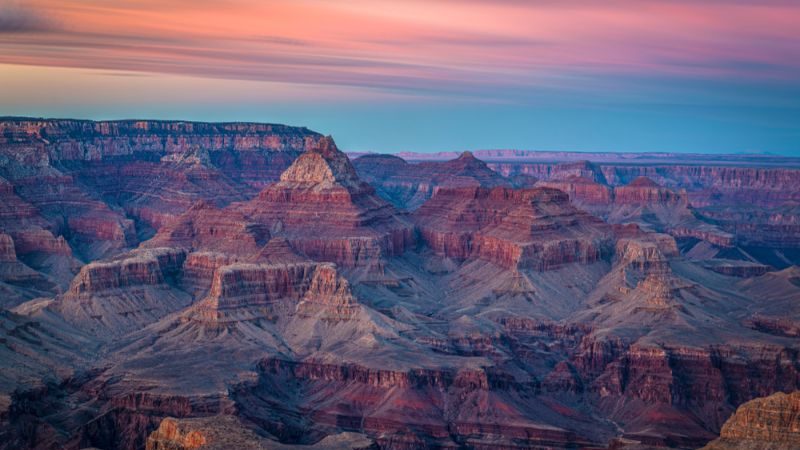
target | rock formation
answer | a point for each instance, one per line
(534, 228)
(116, 296)
(409, 186)
(175, 285)
(327, 213)
(770, 423)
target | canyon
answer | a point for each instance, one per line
(182, 285)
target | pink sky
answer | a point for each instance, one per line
(731, 61)
(414, 45)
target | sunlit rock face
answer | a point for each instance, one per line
(770, 423)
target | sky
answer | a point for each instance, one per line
(715, 76)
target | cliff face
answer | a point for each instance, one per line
(74, 191)
(187, 285)
(326, 212)
(534, 228)
(769, 423)
(408, 186)
(66, 140)
(114, 297)
(226, 432)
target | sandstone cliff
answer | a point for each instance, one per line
(770, 423)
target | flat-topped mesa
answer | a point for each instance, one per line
(69, 140)
(583, 191)
(578, 169)
(261, 291)
(770, 423)
(325, 212)
(523, 228)
(114, 297)
(139, 267)
(645, 191)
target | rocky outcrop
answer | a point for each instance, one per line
(326, 212)
(736, 268)
(7, 252)
(18, 282)
(769, 423)
(228, 432)
(86, 140)
(408, 186)
(106, 185)
(750, 201)
(534, 228)
(117, 296)
(204, 227)
(141, 267)
(385, 394)
(584, 192)
(719, 184)
(644, 191)
(259, 291)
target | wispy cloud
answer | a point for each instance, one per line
(17, 18)
(443, 47)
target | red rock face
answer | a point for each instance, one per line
(86, 140)
(771, 422)
(408, 186)
(583, 191)
(208, 228)
(515, 229)
(257, 290)
(322, 208)
(755, 206)
(290, 301)
(644, 191)
(117, 296)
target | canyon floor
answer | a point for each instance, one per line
(177, 285)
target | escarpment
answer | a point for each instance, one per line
(260, 290)
(117, 296)
(770, 423)
(408, 186)
(239, 285)
(533, 228)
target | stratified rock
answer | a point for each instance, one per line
(19, 282)
(736, 268)
(645, 191)
(535, 228)
(204, 227)
(258, 291)
(583, 192)
(408, 186)
(769, 423)
(68, 140)
(578, 169)
(227, 432)
(117, 296)
(325, 212)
